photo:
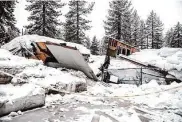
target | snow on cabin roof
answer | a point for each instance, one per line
(26, 41)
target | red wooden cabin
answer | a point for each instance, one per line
(117, 47)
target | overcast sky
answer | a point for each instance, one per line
(170, 12)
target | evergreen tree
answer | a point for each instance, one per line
(104, 45)
(142, 35)
(8, 31)
(135, 29)
(44, 17)
(177, 36)
(94, 46)
(76, 21)
(169, 37)
(118, 23)
(87, 42)
(59, 34)
(154, 30)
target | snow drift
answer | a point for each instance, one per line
(37, 80)
(169, 59)
(15, 98)
(33, 71)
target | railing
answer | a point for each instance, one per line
(136, 76)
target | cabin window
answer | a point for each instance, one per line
(128, 52)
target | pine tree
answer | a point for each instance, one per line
(76, 22)
(177, 36)
(94, 46)
(44, 17)
(104, 45)
(60, 33)
(154, 30)
(135, 29)
(142, 35)
(169, 38)
(118, 23)
(8, 31)
(87, 42)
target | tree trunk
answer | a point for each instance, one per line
(77, 33)
(178, 37)
(43, 29)
(152, 33)
(147, 41)
(119, 27)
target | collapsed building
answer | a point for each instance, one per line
(52, 52)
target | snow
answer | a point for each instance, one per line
(104, 119)
(26, 41)
(122, 102)
(15, 98)
(96, 62)
(31, 81)
(48, 77)
(161, 101)
(33, 71)
(169, 59)
(7, 60)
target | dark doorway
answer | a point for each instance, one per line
(124, 51)
(128, 52)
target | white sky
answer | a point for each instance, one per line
(170, 12)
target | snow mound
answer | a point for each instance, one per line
(169, 59)
(15, 98)
(165, 58)
(37, 79)
(26, 41)
(7, 60)
(33, 71)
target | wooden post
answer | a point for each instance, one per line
(22, 32)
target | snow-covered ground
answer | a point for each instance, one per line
(15, 98)
(31, 81)
(107, 102)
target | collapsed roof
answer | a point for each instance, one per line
(26, 41)
(44, 48)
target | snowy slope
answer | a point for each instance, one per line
(26, 40)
